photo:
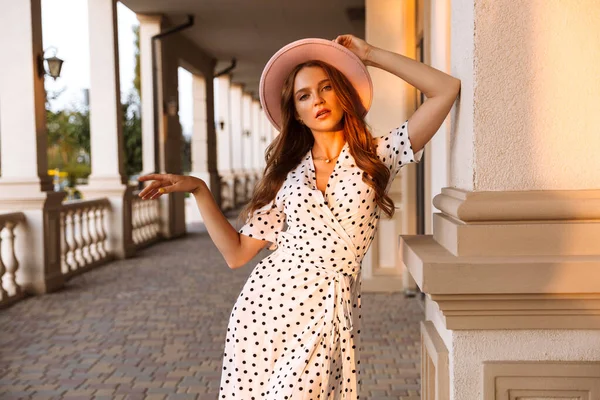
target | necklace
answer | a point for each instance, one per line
(327, 160)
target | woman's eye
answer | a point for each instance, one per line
(328, 87)
(302, 97)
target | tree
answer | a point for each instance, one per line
(69, 132)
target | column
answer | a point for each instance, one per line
(247, 155)
(390, 26)
(150, 25)
(25, 185)
(235, 97)
(512, 270)
(108, 177)
(257, 153)
(161, 144)
(204, 151)
(223, 126)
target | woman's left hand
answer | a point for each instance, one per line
(355, 45)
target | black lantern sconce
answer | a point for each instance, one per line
(247, 132)
(54, 64)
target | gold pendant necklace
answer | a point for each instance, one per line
(327, 160)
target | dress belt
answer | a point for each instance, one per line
(342, 304)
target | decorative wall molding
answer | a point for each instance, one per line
(435, 374)
(541, 380)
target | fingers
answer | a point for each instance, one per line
(151, 177)
(150, 190)
(343, 39)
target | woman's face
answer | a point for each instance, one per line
(316, 103)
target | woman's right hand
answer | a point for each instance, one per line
(168, 183)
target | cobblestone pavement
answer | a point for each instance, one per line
(153, 327)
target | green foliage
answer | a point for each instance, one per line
(69, 142)
(69, 133)
(132, 135)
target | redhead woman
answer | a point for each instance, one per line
(294, 331)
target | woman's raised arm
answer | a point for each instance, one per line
(440, 88)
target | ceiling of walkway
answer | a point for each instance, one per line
(252, 30)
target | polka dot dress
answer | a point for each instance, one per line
(294, 329)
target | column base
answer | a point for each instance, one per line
(512, 283)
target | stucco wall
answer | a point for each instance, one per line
(528, 116)
(472, 348)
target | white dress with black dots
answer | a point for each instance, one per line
(293, 332)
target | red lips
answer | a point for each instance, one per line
(321, 111)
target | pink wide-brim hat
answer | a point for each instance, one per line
(283, 62)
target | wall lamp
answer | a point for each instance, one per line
(54, 64)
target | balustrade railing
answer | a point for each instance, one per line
(145, 219)
(84, 237)
(10, 290)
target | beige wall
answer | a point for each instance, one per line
(475, 347)
(537, 106)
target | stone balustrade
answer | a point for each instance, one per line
(145, 220)
(84, 235)
(10, 290)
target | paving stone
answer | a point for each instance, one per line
(154, 326)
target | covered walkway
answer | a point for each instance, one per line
(153, 327)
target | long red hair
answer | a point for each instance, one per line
(285, 152)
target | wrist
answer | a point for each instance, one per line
(199, 189)
(369, 55)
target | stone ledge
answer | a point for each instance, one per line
(520, 311)
(520, 206)
(437, 271)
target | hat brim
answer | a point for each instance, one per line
(288, 57)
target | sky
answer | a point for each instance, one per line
(65, 27)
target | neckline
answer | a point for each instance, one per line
(314, 170)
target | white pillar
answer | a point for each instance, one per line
(236, 127)
(150, 25)
(22, 111)
(247, 144)
(386, 25)
(512, 270)
(25, 185)
(224, 143)
(265, 139)
(257, 153)
(235, 107)
(199, 130)
(108, 177)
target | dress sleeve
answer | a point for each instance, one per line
(265, 223)
(395, 150)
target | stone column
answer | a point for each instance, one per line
(512, 270)
(170, 139)
(257, 153)
(266, 138)
(235, 97)
(150, 25)
(223, 125)
(162, 145)
(25, 185)
(108, 177)
(390, 26)
(247, 154)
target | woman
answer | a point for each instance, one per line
(295, 327)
